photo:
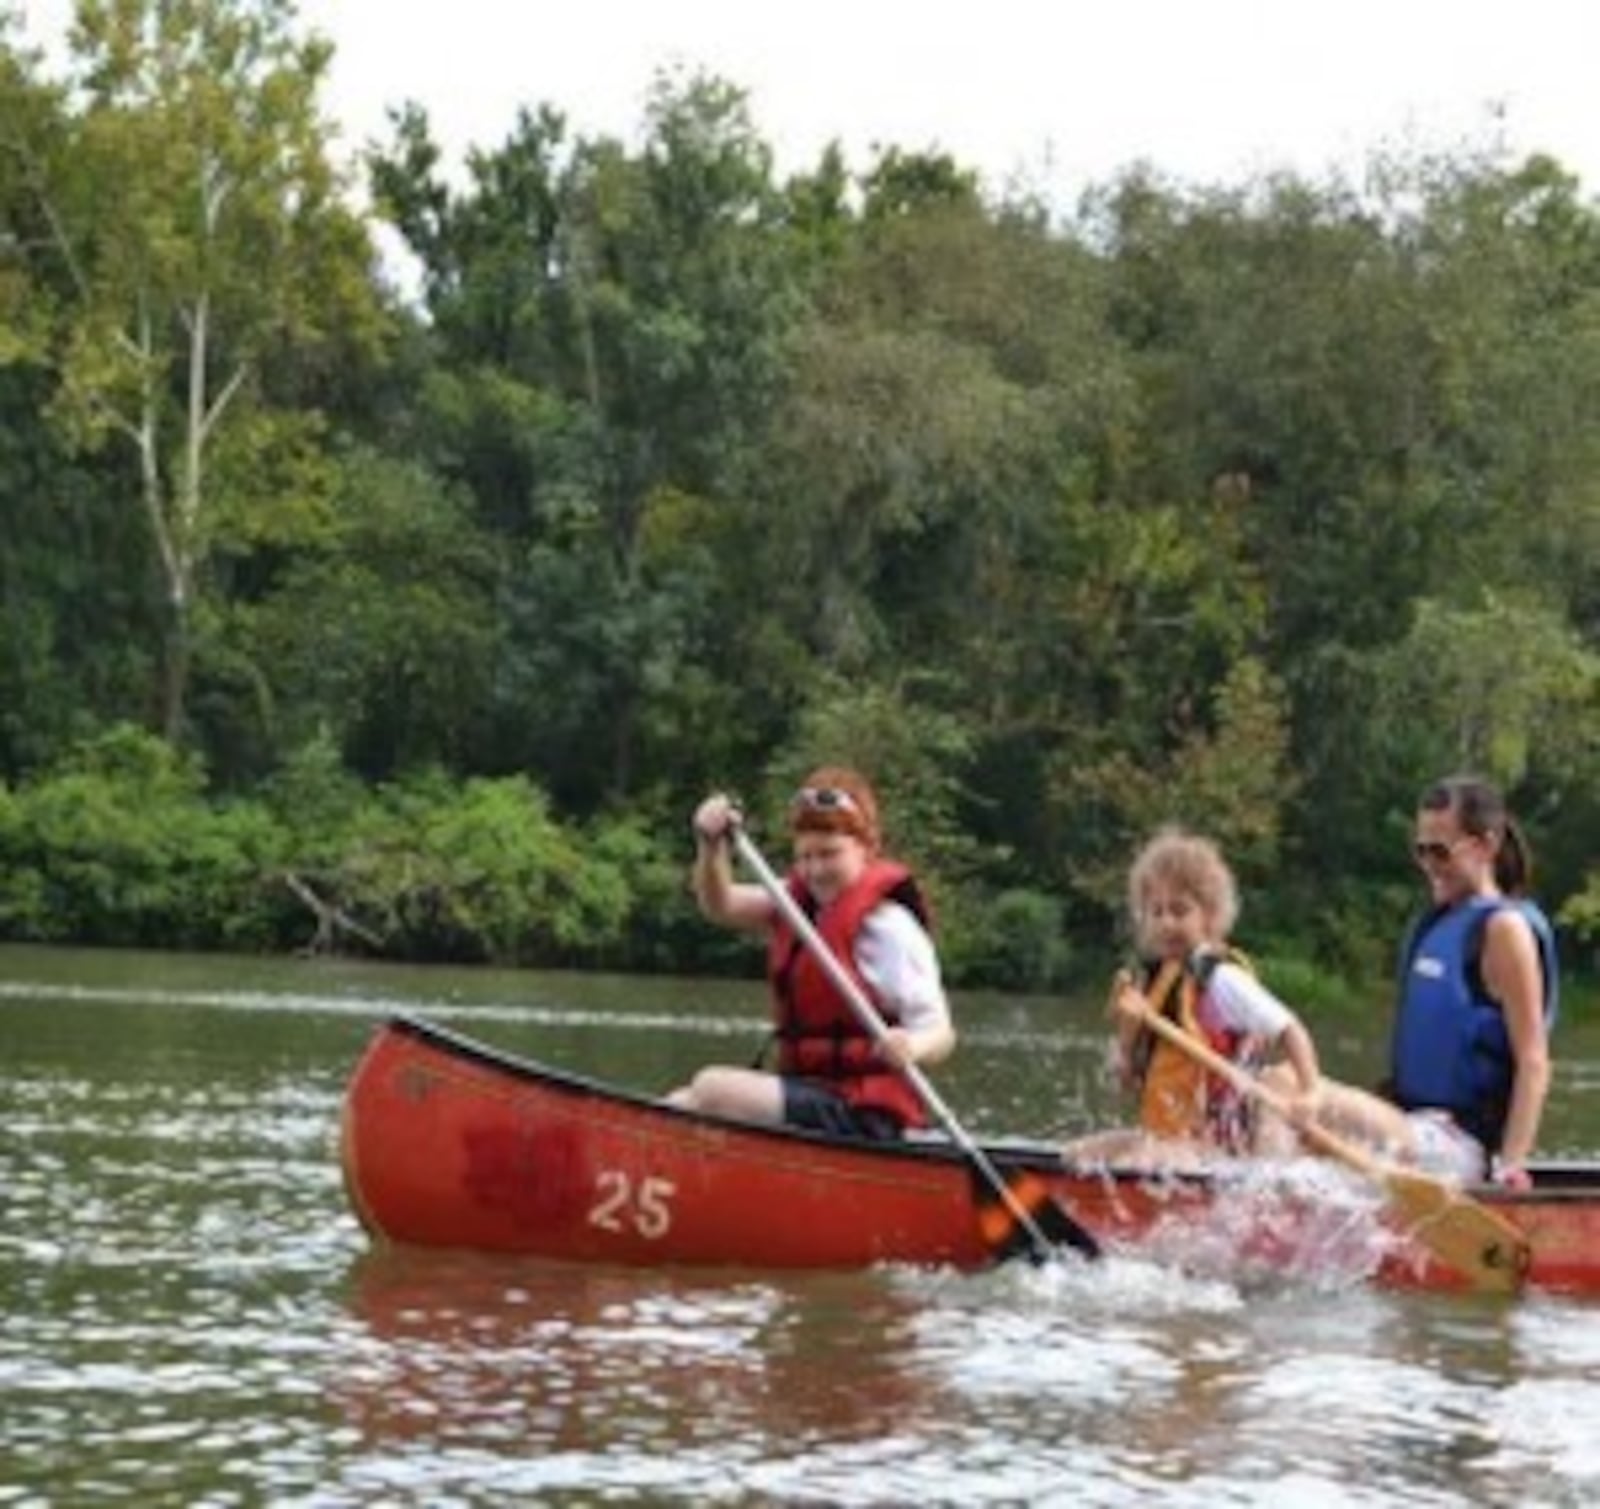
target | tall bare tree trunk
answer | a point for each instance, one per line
(175, 673)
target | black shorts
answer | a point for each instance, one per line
(814, 1106)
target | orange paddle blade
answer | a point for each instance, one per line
(1006, 1233)
(1483, 1247)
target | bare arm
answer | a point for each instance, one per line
(1514, 976)
(931, 1043)
(1251, 1007)
(720, 897)
(1294, 1042)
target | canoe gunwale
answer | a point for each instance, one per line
(1555, 1179)
(925, 1148)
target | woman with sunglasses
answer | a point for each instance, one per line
(1470, 1065)
(832, 1075)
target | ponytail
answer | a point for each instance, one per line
(1513, 860)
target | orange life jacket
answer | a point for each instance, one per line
(819, 1034)
(1178, 1097)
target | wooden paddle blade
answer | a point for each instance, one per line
(1007, 1235)
(1483, 1247)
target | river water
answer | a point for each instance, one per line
(192, 1315)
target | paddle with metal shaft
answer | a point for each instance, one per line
(1484, 1248)
(1042, 1221)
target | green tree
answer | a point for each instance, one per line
(1497, 688)
(1227, 775)
(948, 429)
(1386, 385)
(196, 232)
(611, 330)
(382, 636)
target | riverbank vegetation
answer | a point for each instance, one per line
(415, 622)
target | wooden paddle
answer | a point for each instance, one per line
(1015, 1215)
(1484, 1248)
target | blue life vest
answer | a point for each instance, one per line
(1451, 1048)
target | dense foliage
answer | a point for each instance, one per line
(418, 622)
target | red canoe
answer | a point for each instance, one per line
(450, 1143)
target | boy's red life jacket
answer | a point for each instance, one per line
(819, 1034)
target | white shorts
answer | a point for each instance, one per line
(1445, 1149)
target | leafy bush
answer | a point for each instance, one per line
(117, 845)
(482, 872)
(1012, 941)
(663, 929)
(1310, 988)
(1581, 916)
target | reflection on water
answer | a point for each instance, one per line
(192, 1316)
(616, 1377)
(1126, 1378)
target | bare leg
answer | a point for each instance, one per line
(1366, 1118)
(1345, 1111)
(742, 1094)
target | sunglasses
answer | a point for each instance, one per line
(1430, 851)
(824, 799)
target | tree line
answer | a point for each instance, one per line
(416, 618)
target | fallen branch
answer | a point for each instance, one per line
(331, 920)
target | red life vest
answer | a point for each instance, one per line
(819, 1034)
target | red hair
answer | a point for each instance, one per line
(836, 799)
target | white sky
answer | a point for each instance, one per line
(1056, 94)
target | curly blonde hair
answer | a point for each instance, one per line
(1191, 865)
